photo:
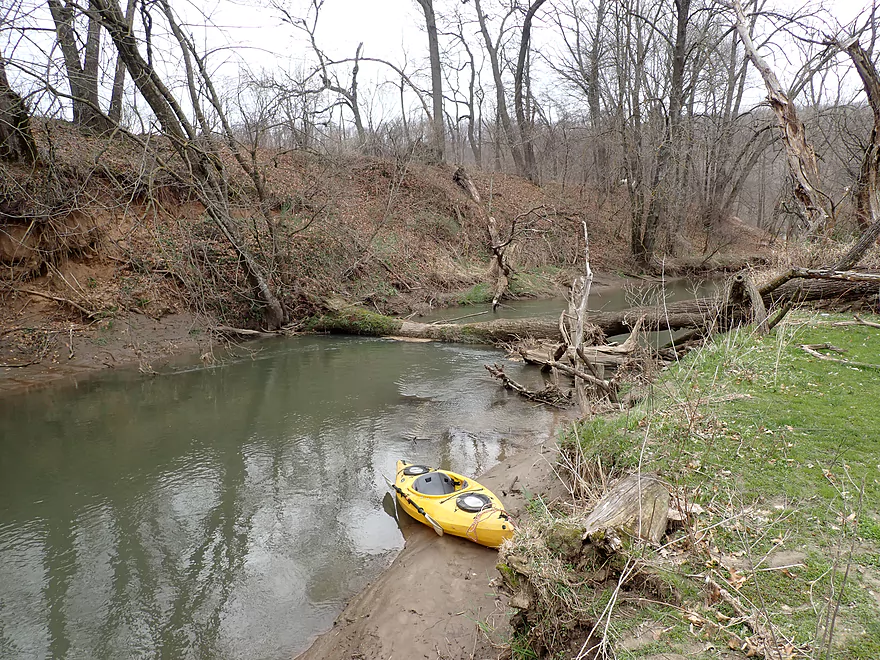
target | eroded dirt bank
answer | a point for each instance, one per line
(36, 352)
(439, 598)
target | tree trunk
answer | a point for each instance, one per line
(867, 203)
(118, 89)
(16, 141)
(476, 147)
(500, 100)
(437, 121)
(661, 184)
(525, 123)
(600, 151)
(637, 505)
(802, 163)
(82, 75)
(500, 268)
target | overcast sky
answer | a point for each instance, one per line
(388, 28)
(252, 34)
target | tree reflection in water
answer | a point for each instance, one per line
(226, 512)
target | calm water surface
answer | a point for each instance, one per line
(227, 512)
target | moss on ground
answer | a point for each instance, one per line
(478, 294)
(353, 320)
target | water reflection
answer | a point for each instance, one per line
(602, 299)
(226, 512)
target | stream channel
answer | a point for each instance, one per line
(229, 512)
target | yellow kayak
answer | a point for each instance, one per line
(452, 504)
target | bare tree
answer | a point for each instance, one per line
(438, 131)
(803, 165)
(16, 142)
(474, 94)
(866, 194)
(494, 50)
(349, 93)
(580, 65)
(194, 142)
(524, 122)
(115, 112)
(82, 70)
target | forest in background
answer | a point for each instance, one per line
(659, 123)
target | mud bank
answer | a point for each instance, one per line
(439, 599)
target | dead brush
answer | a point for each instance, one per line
(585, 476)
(590, 459)
(566, 583)
(553, 602)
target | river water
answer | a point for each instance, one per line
(229, 512)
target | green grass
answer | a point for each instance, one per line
(782, 451)
(536, 282)
(478, 294)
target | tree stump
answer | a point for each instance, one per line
(638, 506)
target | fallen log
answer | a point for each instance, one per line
(834, 286)
(697, 313)
(544, 353)
(818, 274)
(503, 331)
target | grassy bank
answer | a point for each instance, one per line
(776, 454)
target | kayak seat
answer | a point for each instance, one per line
(434, 483)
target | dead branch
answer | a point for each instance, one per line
(550, 395)
(244, 332)
(603, 385)
(813, 349)
(460, 176)
(781, 314)
(59, 299)
(858, 321)
(460, 318)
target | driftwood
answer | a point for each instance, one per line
(243, 332)
(858, 321)
(65, 301)
(543, 353)
(550, 395)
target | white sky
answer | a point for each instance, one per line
(254, 36)
(389, 29)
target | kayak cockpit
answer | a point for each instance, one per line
(437, 483)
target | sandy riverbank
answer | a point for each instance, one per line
(439, 599)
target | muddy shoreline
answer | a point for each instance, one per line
(70, 350)
(440, 596)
